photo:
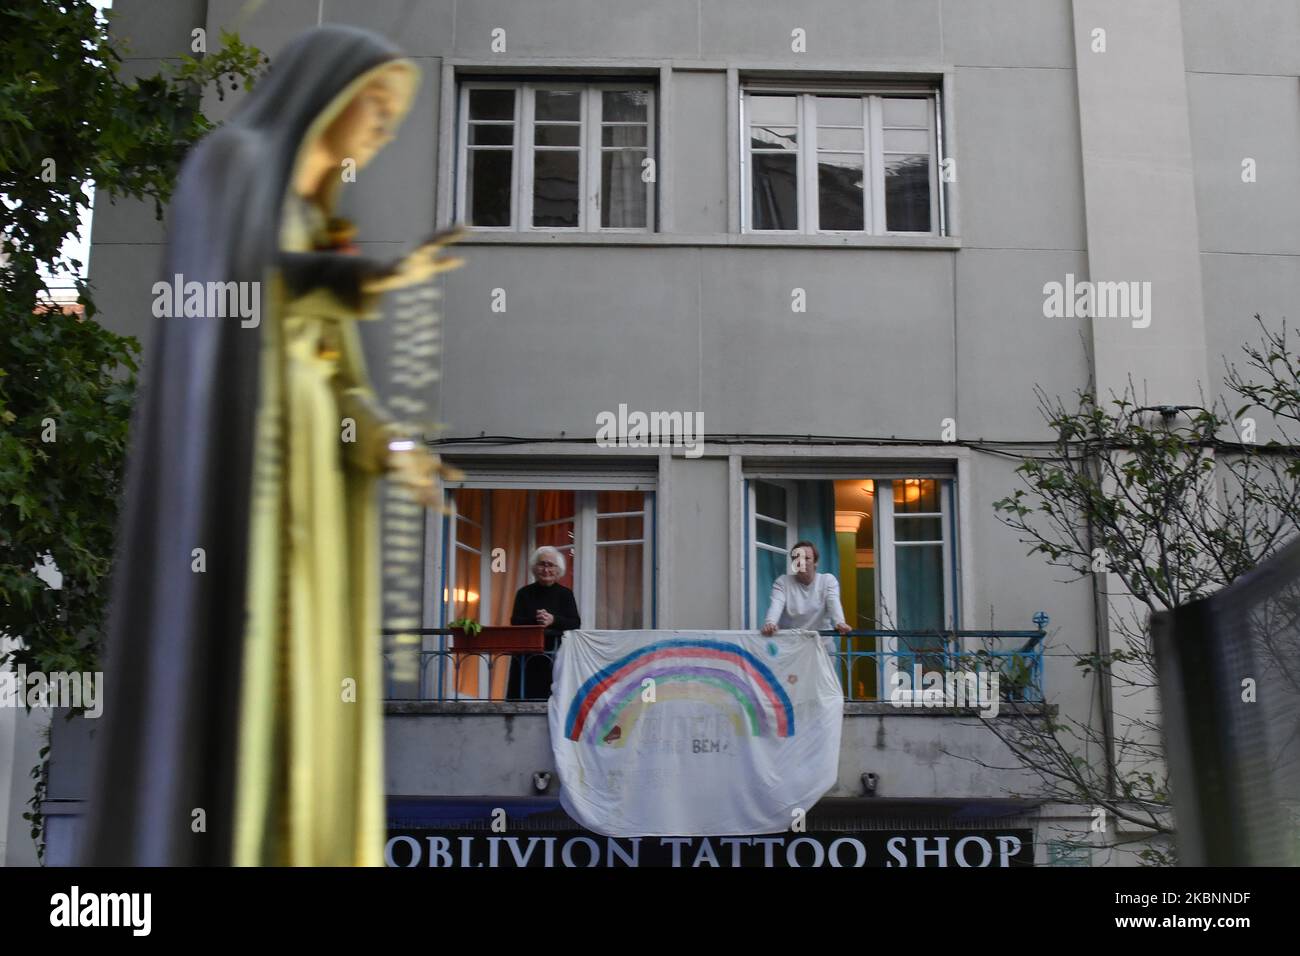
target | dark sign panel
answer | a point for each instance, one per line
(451, 848)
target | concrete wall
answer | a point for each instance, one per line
(460, 750)
(1244, 103)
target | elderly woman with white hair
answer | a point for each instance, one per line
(550, 604)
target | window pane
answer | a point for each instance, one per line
(916, 496)
(623, 136)
(840, 139)
(488, 186)
(464, 599)
(773, 111)
(920, 606)
(775, 192)
(907, 194)
(769, 501)
(622, 193)
(773, 137)
(907, 112)
(614, 501)
(839, 191)
(620, 529)
(555, 188)
(839, 111)
(906, 141)
(469, 534)
(920, 588)
(769, 533)
(558, 105)
(918, 529)
(619, 590)
(491, 134)
(492, 104)
(553, 135)
(624, 106)
(469, 503)
(555, 506)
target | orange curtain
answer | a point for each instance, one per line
(559, 506)
(510, 533)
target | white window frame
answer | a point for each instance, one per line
(874, 212)
(887, 566)
(791, 535)
(585, 528)
(591, 539)
(590, 148)
(886, 575)
(451, 606)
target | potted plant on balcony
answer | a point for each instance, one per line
(472, 636)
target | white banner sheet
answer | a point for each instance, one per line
(693, 733)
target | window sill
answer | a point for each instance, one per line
(797, 241)
(410, 708)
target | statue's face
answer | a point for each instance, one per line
(365, 126)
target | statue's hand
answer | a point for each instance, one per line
(416, 470)
(421, 265)
(419, 471)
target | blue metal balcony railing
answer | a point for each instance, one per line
(884, 665)
(872, 666)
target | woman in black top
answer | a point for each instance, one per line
(553, 606)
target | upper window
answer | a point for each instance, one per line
(546, 156)
(841, 163)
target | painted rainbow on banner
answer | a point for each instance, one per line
(714, 672)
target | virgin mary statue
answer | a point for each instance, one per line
(243, 694)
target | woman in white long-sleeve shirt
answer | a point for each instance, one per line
(805, 600)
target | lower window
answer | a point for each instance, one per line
(889, 544)
(606, 538)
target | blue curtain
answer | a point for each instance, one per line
(920, 586)
(817, 522)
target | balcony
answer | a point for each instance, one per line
(874, 667)
(443, 742)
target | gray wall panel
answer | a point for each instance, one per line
(586, 28)
(696, 520)
(872, 356)
(1230, 36)
(845, 30)
(1019, 173)
(584, 330)
(1005, 346)
(1010, 33)
(1234, 117)
(699, 154)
